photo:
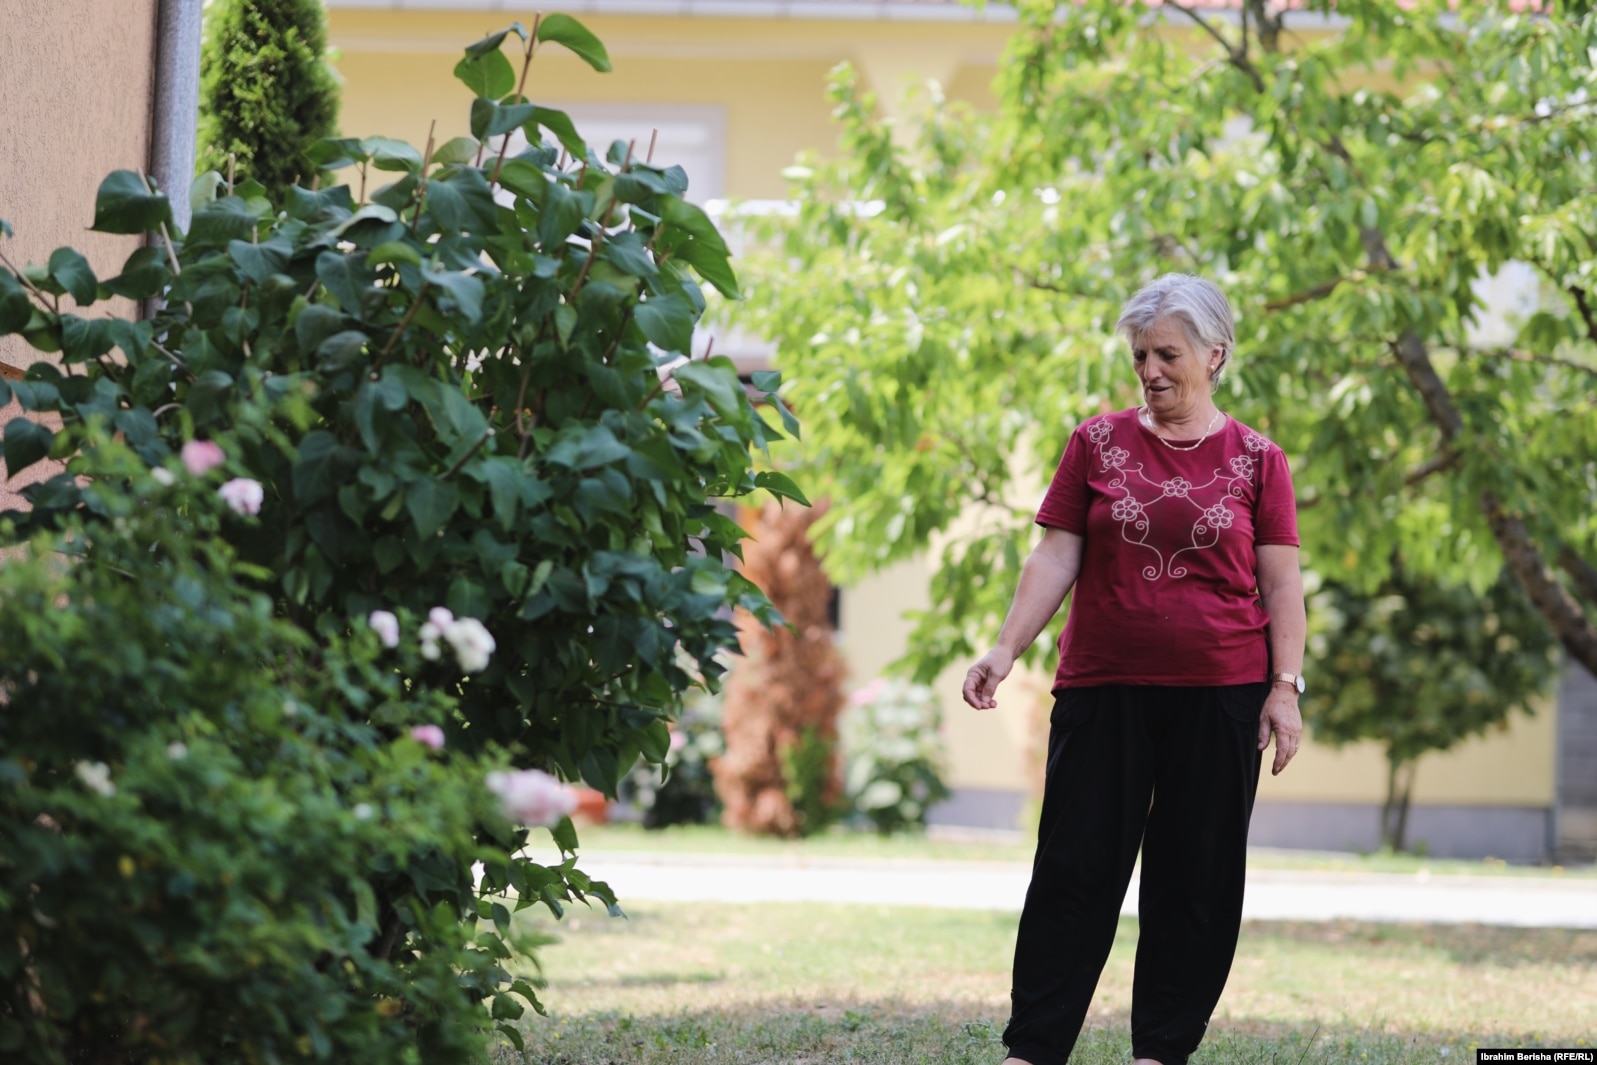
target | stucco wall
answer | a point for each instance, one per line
(76, 91)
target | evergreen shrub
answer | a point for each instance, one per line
(267, 94)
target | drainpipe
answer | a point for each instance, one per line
(177, 101)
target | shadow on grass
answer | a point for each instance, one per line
(891, 1032)
(1468, 944)
(576, 984)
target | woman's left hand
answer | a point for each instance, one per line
(1282, 717)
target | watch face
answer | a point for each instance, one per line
(1299, 683)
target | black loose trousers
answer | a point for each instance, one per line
(1172, 771)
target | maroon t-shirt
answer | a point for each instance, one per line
(1168, 589)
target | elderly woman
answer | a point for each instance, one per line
(1176, 526)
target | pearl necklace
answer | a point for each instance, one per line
(1147, 416)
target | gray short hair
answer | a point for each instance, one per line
(1197, 303)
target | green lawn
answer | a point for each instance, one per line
(711, 839)
(802, 984)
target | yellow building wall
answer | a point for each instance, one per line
(769, 78)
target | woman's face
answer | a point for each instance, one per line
(1175, 377)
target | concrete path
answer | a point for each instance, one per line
(1273, 895)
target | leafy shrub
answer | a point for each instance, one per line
(465, 390)
(267, 94)
(681, 790)
(203, 811)
(448, 400)
(893, 754)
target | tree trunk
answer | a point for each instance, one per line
(784, 696)
(1399, 791)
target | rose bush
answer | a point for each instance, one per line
(217, 841)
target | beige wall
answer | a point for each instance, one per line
(770, 77)
(76, 97)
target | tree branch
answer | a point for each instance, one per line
(1314, 292)
(1583, 573)
(1445, 461)
(1583, 305)
(1520, 355)
(1237, 56)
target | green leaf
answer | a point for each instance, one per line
(371, 212)
(565, 835)
(559, 123)
(208, 395)
(125, 204)
(780, 485)
(72, 272)
(667, 321)
(766, 381)
(504, 476)
(394, 251)
(261, 261)
(315, 324)
(506, 1008)
(564, 30)
(26, 442)
(492, 119)
(487, 74)
(315, 474)
(219, 222)
(457, 149)
(346, 278)
(390, 154)
(463, 290)
(431, 504)
(15, 306)
(704, 249)
(492, 42)
(204, 189)
(144, 274)
(719, 385)
(83, 339)
(335, 153)
(513, 1035)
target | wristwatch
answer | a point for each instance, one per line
(1294, 679)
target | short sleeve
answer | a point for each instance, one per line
(1065, 504)
(1275, 511)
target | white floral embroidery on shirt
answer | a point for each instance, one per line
(1208, 519)
(1127, 509)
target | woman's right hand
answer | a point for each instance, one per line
(981, 682)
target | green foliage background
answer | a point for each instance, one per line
(947, 288)
(1418, 666)
(267, 93)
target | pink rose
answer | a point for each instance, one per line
(431, 735)
(386, 625)
(202, 456)
(243, 495)
(531, 796)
